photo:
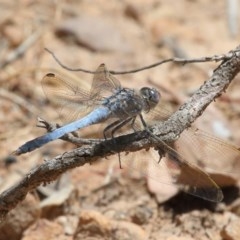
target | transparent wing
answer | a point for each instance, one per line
(211, 152)
(202, 148)
(173, 170)
(70, 99)
(103, 83)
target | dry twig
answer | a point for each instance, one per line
(213, 58)
(21, 102)
(20, 50)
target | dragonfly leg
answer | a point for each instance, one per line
(120, 125)
(115, 126)
(160, 150)
(119, 161)
(110, 126)
(143, 121)
(132, 124)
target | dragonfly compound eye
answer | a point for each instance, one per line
(154, 96)
(151, 96)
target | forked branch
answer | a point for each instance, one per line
(166, 131)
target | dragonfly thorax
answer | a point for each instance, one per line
(151, 97)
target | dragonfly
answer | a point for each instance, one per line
(108, 100)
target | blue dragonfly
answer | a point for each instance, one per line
(123, 104)
(107, 100)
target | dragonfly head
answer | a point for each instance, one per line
(151, 97)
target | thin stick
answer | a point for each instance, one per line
(21, 49)
(215, 58)
(21, 102)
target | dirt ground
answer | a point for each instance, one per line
(101, 201)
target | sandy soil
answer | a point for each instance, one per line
(101, 201)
